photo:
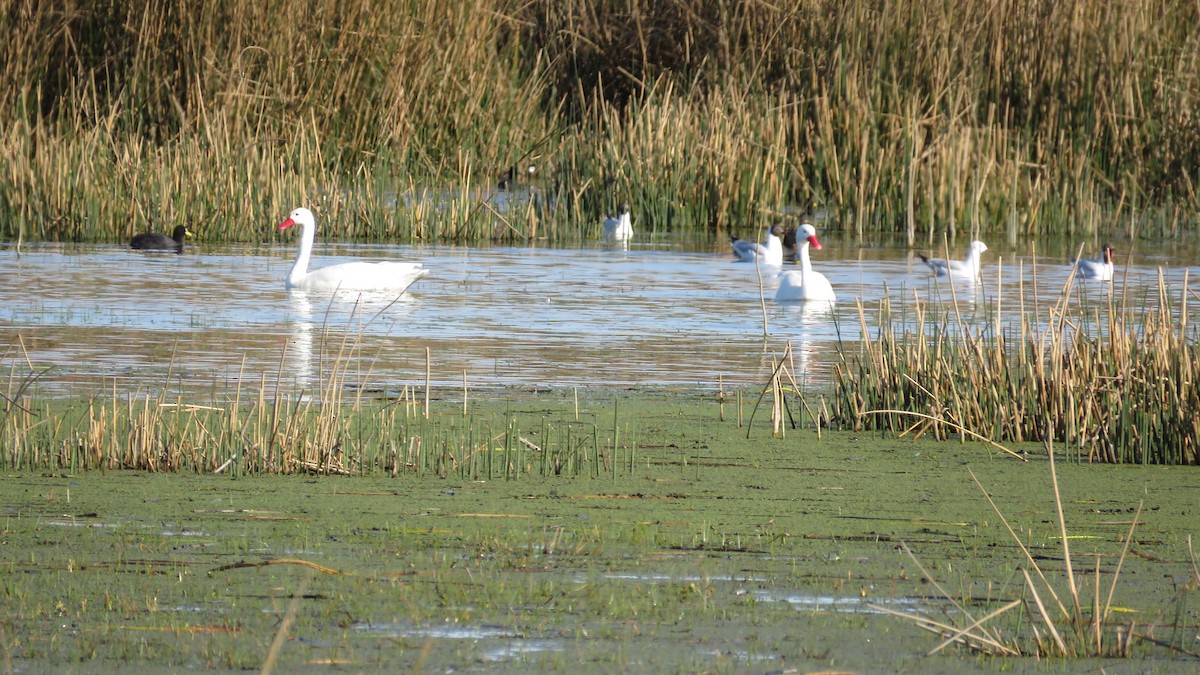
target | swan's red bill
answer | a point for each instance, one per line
(286, 224)
(812, 241)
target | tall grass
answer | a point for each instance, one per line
(954, 117)
(1114, 383)
(338, 429)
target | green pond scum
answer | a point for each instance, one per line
(665, 537)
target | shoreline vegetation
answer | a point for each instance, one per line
(1111, 382)
(398, 121)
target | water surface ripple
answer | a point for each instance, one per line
(108, 318)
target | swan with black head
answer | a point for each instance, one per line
(394, 277)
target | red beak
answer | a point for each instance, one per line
(289, 222)
(814, 243)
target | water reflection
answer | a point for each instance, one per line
(219, 317)
(300, 344)
(338, 323)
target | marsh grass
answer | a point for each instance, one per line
(1113, 382)
(395, 121)
(346, 427)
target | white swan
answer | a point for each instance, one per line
(619, 228)
(966, 268)
(770, 253)
(1100, 269)
(807, 284)
(356, 276)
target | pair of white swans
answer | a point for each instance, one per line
(805, 285)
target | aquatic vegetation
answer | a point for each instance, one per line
(403, 122)
(1114, 382)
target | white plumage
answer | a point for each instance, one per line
(354, 276)
(770, 253)
(807, 284)
(967, 268)
(619, 227)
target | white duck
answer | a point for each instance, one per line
(807, 284)
(355, 276)
(1100, 269)
(770, 253)
(967, 268)
(619, 228)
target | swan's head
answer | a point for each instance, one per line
(777, 230)
(300, 216)
(1108, 252)
(978, 247)
(810, 233)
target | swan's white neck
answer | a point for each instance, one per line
(805, 263)
(300, 267)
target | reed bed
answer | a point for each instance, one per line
(345, 427)
(294, 435)
(396, 121)
(1110, 383)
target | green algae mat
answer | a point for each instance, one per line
(689, 544)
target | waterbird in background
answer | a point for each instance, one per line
(807, 284)
(509, 179)
(770, 253)
(152, 241)
(619, 227)
(354, 276)
(967, 268)
(1100, 269)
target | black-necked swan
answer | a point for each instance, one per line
(354, 276)
(807, 284)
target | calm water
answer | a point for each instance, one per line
(107, 318)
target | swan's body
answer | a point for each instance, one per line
(967, 268)
(770, 253)
(153, 241)
(807, 284)
(356, 276)
(1100, 269)
(619, 228)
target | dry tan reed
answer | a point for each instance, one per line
(1116, 386)
(397, 119)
